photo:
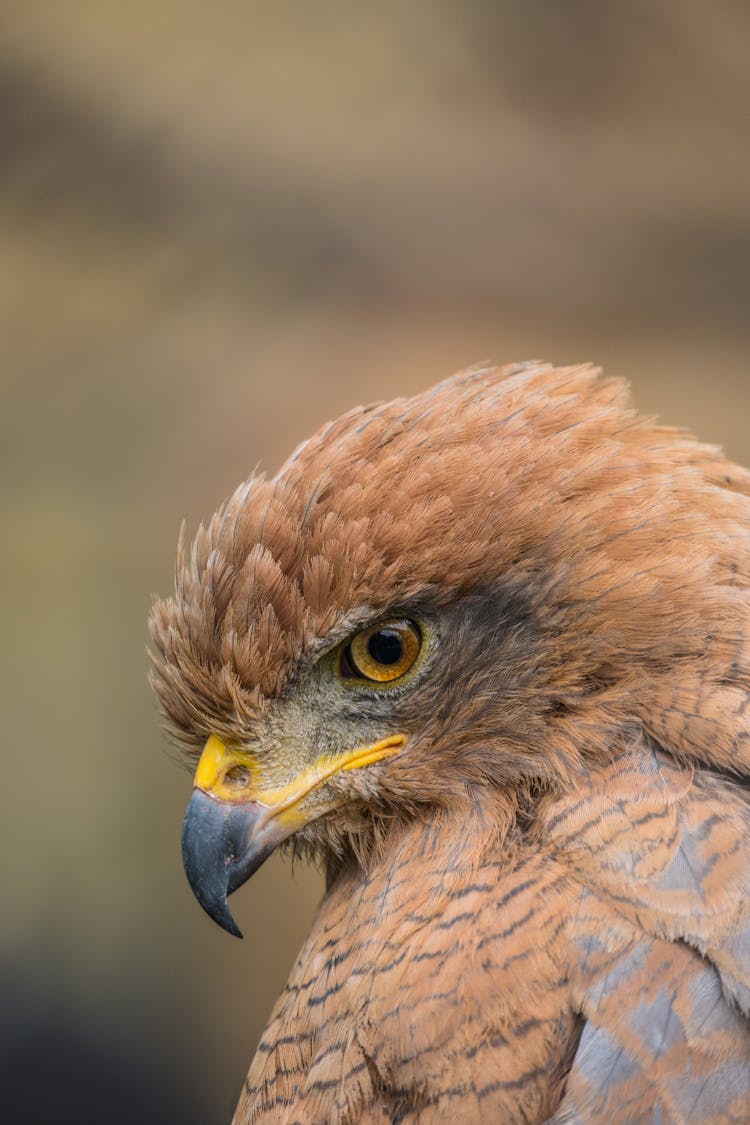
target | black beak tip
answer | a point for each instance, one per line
(223, 917)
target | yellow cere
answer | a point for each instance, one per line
(215, 763)
(217, 760)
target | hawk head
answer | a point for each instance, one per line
(458, 597)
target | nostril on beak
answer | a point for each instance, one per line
(238, 777)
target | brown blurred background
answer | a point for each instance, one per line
(220, 225)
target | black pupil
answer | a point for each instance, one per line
(385, 646)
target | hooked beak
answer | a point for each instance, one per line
(222, 846)
(233, 823)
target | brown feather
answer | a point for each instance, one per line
(560, 862)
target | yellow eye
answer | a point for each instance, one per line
(381, 653)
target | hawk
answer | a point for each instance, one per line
(484, 654)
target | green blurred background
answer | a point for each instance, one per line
(220, 225)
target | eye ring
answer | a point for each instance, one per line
(381, 654)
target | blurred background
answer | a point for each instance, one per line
(221, 225)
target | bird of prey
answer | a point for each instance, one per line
(485, 654)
